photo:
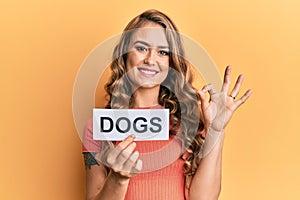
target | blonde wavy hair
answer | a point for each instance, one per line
(184, 112)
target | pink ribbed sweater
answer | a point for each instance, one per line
(162, 175)
(161, 184)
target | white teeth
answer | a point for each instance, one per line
(148, 72)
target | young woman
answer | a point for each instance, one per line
(149, 72)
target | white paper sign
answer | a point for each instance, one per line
(117, 124)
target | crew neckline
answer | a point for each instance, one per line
(150, 107)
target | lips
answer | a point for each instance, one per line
(148, 72)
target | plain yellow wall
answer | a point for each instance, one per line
(43, 44)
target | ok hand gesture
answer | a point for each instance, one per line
(218, 111)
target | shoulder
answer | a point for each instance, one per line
(89, 125)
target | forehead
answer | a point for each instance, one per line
(154, 36)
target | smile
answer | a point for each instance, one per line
(148, 72)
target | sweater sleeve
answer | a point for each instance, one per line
(88, 143)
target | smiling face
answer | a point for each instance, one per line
(147, 60)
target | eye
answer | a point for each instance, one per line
(163, 53)
(140, 48)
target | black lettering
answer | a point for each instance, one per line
(155, 124)
(118, 127)
(111, 123)
(144, 126)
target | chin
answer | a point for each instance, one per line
(149, 86)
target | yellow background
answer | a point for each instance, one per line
(43, 44)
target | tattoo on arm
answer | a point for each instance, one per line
(89, 159)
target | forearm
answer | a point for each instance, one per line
(206, 183)
(114, 188)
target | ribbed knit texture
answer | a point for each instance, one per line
(166, 183)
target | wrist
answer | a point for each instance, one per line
(212, 130)
(212, 138)
(117, 178)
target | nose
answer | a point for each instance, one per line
(150, 57)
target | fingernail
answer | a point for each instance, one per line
(132, 136)
(136, 153)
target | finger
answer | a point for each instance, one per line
(203, 99)
(125, 154)
(118, 163)
(226, 82)
(130, 163)
(122, 145)
(237, 86)
(112, 156)
(138, 166)
(243, 99)
(210, 89)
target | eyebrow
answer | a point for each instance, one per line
(148, 45)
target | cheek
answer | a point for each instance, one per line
(165, 64)
(165, 61)
(133, 60)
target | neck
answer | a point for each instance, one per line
(145, 97)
